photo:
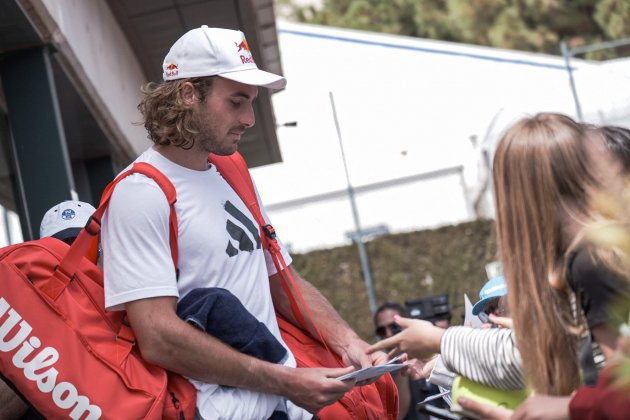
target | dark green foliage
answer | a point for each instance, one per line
(402, 264)
(529, 25)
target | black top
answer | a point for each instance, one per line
(420, 389)
(599, 289)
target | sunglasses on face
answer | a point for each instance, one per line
(496, 307)
(393, 328)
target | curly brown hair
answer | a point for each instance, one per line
(167, 119)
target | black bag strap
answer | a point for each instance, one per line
(585, 354)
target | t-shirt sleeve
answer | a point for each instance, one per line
(137, 260)
(599, 287)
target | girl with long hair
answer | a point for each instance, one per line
(547, 171)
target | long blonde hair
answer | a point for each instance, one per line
(542, 179)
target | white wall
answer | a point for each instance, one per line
(99, 60)
(405, 106)
(9, 227)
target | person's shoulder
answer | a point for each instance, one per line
(149, 156)
(137, 190)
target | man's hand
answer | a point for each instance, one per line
(420, 339)
(355, 354)
(315, 388)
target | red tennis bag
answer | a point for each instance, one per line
(62, 351)
(375, 401)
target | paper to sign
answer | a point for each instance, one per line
(374, 371)
(470, 320)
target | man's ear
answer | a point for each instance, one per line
(188, 93)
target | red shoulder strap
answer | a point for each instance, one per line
(234, 170)
(80, 247)
(167, 187)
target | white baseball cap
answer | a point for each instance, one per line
(216, 52)
(66, 219)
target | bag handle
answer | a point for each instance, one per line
(234, 170)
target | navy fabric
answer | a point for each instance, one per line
(279, 415)
(219, 313)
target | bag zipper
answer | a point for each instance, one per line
(177, 406)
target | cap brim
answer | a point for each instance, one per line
(256, 77)
(479, 306)
(67, 233)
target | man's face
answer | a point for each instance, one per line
(224, 116)
(384, 322)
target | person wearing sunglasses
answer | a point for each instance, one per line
(492, 301)
(412, 387)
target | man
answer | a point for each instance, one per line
(412, 387)
(204, 106)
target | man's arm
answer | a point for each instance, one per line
(167, 341)
(336, 332)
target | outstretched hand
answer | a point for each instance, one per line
(419, 339)
(421, 369)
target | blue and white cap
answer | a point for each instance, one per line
(494, 288)
(66, 219)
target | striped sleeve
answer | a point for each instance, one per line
(487, 356)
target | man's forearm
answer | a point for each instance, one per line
(336, 332)
(167, 341)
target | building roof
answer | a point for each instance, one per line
(149, 28)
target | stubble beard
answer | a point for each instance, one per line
(207, 140)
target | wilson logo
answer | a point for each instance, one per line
(39, 367)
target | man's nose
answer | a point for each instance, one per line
(248, 117)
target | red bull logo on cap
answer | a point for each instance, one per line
(243, 46)
(171, 70)
(245, 52)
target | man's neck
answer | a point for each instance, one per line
(188, 158)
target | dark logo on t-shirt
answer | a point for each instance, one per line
(240, 240)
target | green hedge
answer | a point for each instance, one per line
(402, 266)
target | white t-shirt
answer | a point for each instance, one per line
(219, 246)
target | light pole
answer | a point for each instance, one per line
(363, 256)
(568, 52)
(288, 124)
